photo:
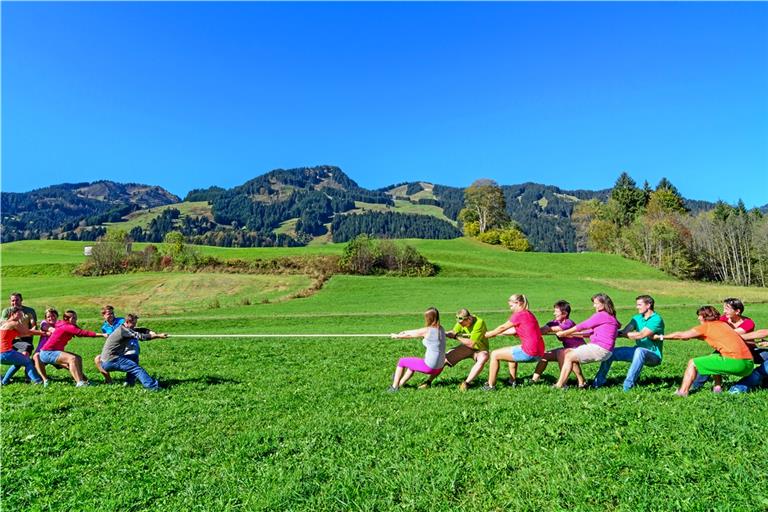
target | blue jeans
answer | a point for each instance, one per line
(17, 360)
(752, 381)
(637, 355)
(123, 364)
(130, 379)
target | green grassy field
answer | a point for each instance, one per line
(300, 423)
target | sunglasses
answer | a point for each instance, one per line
(461, 318)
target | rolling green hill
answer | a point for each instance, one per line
(544, 276)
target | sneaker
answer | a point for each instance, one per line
(391, 389)
(82, 384)
(46, 383)
(717, 389)
(512, 383)
(424, 385)
(463, 386)
(488, 387)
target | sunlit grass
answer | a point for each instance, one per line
(298, 423)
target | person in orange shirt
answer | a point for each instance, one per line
(733, 358)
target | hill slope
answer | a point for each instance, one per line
(49, 211)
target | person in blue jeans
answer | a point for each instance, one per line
(11, 329)
(113, 358)
(759, 377)
(112, 322)
(646, 351)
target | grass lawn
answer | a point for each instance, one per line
(299, 423)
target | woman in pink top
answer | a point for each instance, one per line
(602, 329)
(733, 310)
(524, 325)
(53, 350)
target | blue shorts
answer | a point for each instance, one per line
(519, 355)
(49, 356)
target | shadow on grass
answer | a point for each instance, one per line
(208, 380)
(547, 380)
(649, 382)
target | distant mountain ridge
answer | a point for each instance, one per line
(289, 207)
(48, 211)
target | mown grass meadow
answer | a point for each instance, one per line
(305, 423)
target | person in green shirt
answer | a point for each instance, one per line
(646, 351)
(469, 331)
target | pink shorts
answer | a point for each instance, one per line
(418, 365)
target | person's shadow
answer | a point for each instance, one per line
(650, 382)
(208, 380)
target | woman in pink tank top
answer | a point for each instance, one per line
(524, 325)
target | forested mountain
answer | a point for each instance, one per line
(391, 225)
(49, 211)
(289, 207)
(543, 212)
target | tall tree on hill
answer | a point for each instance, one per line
(665, 199)
(626, 201)
(484, 204)
(647, 190)
(663, 232)
(583, 214)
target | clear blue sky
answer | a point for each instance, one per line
(188, 95)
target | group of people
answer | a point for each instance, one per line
(593, 340)
(120, 352)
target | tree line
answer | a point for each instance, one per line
(391, 225)
(656, 226)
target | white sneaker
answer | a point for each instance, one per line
(82, 384)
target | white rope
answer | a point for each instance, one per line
(278, 335)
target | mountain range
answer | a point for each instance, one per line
(284, 207)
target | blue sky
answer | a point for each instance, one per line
(188, 95)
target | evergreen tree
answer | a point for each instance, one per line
(627, 200)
